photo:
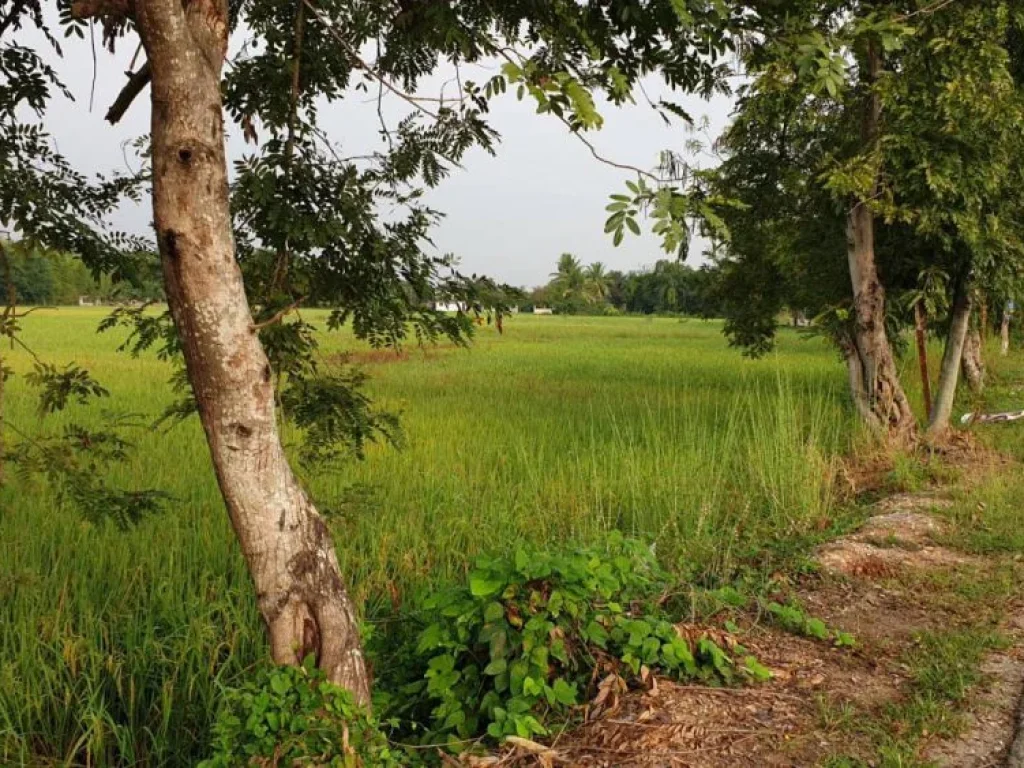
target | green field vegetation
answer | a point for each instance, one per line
(115, 644)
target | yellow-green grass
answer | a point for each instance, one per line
(112, 644)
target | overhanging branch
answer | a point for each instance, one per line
(109, 9)
(137, 81)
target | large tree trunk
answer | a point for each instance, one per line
(285, 543)
(1004, 333)
(938, 424)
(921, 335)
(973, 363)
(874, 380)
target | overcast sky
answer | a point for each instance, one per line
(508, 216)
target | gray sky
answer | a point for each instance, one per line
(508, 216)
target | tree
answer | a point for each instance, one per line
(973, 362)
(876, 150)
(810, 62)
(31, 273)
(928, 300)
(596, 282)
(300, 223)
(568, 279)
(1004, 330)
(617, 289)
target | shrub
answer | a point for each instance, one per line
(522, 642)
(293, 716)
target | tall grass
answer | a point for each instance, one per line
(112, 645)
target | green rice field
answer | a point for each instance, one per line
(113, 644)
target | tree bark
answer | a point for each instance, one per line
(973, 363)
(938, 424)
(921, 333)
(874, 380)
(1004, 333)
(286, 545)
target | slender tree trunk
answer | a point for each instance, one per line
(1004, 333)
(938, 424)
(973, 363)
(10, 307)
(874, 380)
(284, 541)
(921, 333)
(983, 315)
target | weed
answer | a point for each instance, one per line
(523, 643)
(293, 716)
(793, 618)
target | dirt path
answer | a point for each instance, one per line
(906, 694)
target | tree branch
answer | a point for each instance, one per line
(927, 10)
(504, 53)
(92, 9)
(278, 316)
(358, 62)
(137, 81)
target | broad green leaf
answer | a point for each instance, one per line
(484, 585)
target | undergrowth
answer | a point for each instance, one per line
(529, 638)
(516, 650)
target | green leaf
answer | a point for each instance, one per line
(522, 560)
(756, 670)
(512, 71)
(430, 638)
(494, 611)
(273, 720)
(496, 667)
(565, 693)
(280, 684)
(682, 12)
(483, 584)
(845, 640)
(816, 628)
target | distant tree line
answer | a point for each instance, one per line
(41, 277)
(669, 287)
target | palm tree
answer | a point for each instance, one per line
(568, 278)
(596, 281)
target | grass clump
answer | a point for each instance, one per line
(943, 668)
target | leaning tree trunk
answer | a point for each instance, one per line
(921, 335)
(938, 424)
(1004, 333)
(874, 380)
(285, 543)
(972, 363)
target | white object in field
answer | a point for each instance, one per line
(991, 418)
(448, 306)
(542, 311)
